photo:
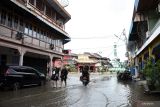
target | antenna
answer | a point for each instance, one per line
(64, 3)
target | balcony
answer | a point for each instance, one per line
(49, 17)
(13, 36)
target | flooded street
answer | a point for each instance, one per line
(102, 91)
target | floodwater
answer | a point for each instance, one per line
(102, 91)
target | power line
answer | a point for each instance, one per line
(93, 37)
(98, 47)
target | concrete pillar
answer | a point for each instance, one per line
(22, 52)
(136, 67)
(51, 65)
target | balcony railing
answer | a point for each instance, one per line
(155, 27)
(42, 14)
(15, 36)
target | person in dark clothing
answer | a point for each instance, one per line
(63, 76)
(85, 73)
(55, 76)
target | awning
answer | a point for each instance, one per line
(146, 5)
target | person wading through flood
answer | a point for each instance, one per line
(55, 76)
(63, 76)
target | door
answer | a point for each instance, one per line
(3, 60)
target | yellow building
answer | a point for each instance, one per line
(144, 37)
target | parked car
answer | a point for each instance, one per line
(126, 75)
(16, 77)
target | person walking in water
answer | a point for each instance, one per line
(63, 75)
(55, 76)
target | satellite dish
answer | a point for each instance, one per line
(64, 3)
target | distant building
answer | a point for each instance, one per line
(69, 58)
(32, 32)
(144, 36)
(85, 60)
(92, 60)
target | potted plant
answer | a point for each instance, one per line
(157, 74)
(149, 72)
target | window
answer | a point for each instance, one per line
(26, 29)
(9, 20)
(54, 41)
(21, 28)
(34, 32)
(3, 17)
(31, 1)
(39, 5)
(15, 22)
(30, 30)
(49, 38)
(50, 41)
(45, 37)
(41, 35)
(38, 33)
(48, 11)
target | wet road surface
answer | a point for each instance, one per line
(102, 91)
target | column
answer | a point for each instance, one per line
(22, 52)
(150, 53)
(51, 65)
(136, 67)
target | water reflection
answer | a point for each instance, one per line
(104, 91)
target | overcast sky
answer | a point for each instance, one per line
(94, 23)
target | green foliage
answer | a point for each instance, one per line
(72, 68)
(157, 66)
(149, 69)
(152, 72)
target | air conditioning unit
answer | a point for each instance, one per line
(19, 36)
(148, 34)
(51, 46)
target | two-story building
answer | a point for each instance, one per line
(144, 37)
(32, 32)
(69, 58)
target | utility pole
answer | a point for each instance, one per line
(126, 43)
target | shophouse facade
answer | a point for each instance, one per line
(144, 37)
(69, 58)
(94, 61)
(85, 60)
(32, 32)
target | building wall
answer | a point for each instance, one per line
(31, 33)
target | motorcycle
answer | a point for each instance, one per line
(84, 80)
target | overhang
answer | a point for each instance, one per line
(152, 37)
(142, 5)
(133, 32)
